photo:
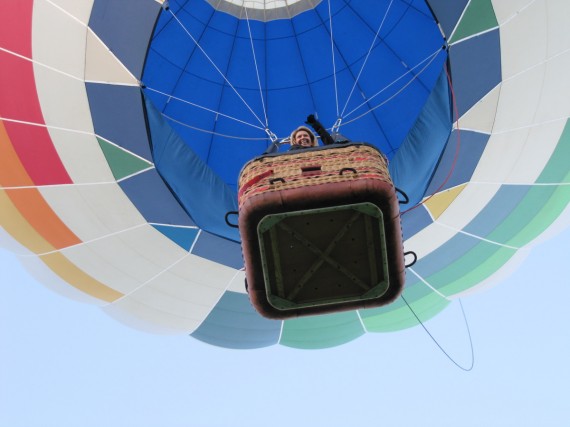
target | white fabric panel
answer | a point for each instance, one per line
(127, 260)
(82, 157)
(58, 39)
(500, 156)
(63, 101)
(93, 211)
(555, 91)
(177, 301)
(536, 151)
(79, 9)
(519, 97)
(524, 40)
(59, 42)
(101, 65)
(539, 35)
(481, 117)
(238, 282)
(518, 157)
(429, 239)
(506, 10)
(558, 34)
(468, 204)
(35, 267)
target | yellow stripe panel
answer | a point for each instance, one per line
(12, 172)
(438, 203)
(30, 203)
(78, 278)
(28, 218)
(19, 228)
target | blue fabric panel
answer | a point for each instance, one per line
(204, 196)
(151, 197)
(182, 236)
(296, 76)
(412, 167)
(118, 116)
(219, 249)
(125, 26)
(491, 217)
(498, 210)
(476, 67)
(414, 220)
(233, 323)
(471, 146)
(445, 255)
(448, 13)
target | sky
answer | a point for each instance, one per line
(65, 363)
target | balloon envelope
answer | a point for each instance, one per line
(124, 125)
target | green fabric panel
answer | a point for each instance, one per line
(397, 316)
(557, 169)
(533, 215)
(478, 17)
(555, 201)
(475, 266)
(484, 261)
(314, 332)
(543, 204)
(121, 162)
(536, 212)
(528, 209)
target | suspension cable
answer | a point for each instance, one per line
(431, 58)
(366, 58)
(216, 67)
(464, 368)
(211, 132)
(203, 108)
(256, 67)
(333, 61)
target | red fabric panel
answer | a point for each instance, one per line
(19, 100)
(16, 26)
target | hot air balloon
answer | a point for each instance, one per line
(124, 125)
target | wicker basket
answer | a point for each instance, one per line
(320, 231)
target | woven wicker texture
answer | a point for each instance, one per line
(307, 168)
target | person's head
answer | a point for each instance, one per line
(302, 136)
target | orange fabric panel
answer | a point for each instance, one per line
(41, 216)
(26, 210)
(19, 228)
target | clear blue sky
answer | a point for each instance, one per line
(64, 363)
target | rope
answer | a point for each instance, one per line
(472, 363)
(366, 58)
(216, 68)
